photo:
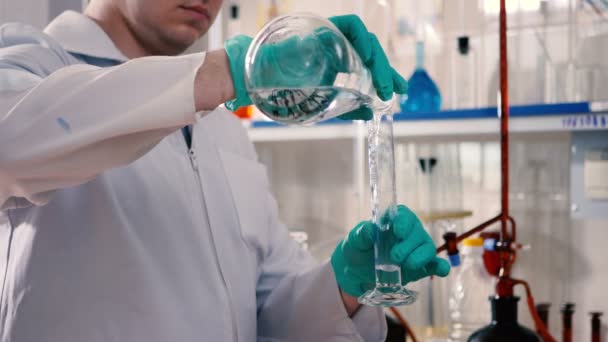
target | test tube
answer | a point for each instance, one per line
(567, 310)
(596, 325)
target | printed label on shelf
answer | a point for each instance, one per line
(586, 121)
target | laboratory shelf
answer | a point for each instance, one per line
(559, 117)
(433, 216)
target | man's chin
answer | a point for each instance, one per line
(187, 37)
(178, 45)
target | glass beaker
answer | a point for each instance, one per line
(300, 69)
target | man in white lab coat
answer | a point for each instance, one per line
(116, 225)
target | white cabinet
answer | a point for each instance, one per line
(35, 12)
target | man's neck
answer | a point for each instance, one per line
(110, 19)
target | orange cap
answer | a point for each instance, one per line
(245, 112)
(473, 242)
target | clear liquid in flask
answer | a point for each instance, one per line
(300, 106)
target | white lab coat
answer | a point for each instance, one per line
(111, 230)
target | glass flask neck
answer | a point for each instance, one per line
(567, 310)
(419, 55)
(542, 309)
(373, 102)
(504, 310)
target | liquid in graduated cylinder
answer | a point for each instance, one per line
(306, 105)
(387, 276)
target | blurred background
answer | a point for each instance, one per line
(448, 158)
(557, 52)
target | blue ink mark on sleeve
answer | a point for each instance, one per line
(64, 124)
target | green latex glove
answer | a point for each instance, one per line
(291, 71)
(385, 79)
(353, 258)
(236, 49)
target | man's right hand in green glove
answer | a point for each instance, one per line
(385, 79)
(353, 259)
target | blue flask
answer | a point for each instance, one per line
(423, 94)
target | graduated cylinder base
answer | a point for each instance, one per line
(388, 291)
(388, 296)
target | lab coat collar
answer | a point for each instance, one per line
(79, 34)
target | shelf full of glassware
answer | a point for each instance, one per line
(559, 117)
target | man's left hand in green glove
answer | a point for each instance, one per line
(414, 250)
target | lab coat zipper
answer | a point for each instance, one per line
(194, 163)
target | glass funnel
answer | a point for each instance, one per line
(299, 70)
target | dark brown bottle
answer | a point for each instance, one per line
(596, 325)
(504, 326)
(543, 313)
(567, 310)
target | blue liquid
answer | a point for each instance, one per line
(423, 94)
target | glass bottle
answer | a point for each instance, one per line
(567, 310)
(596, 326)
(543, 313)
(453, 252)
(273, 10)
(504, 326)
(234, 21)
(423, 94)
(464, 80)
(468, 305)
